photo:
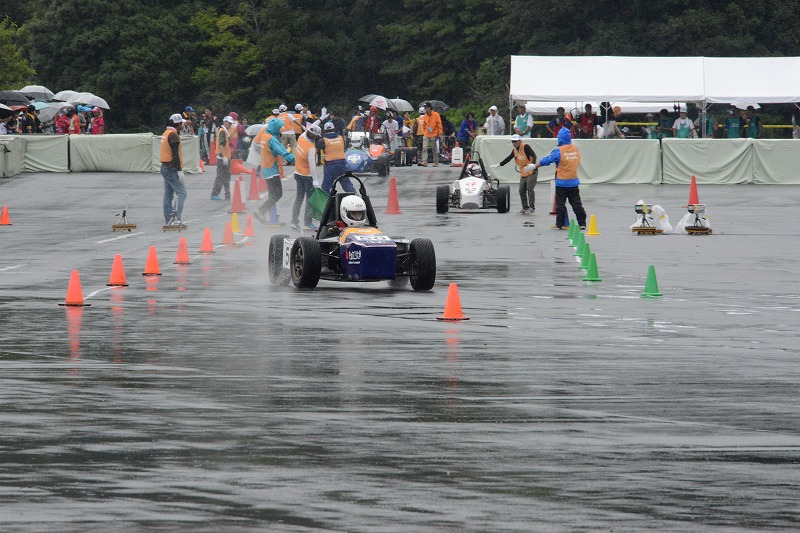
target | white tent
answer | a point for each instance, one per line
(549, 108)
(704, 80)
(768, 80)
(604, 78)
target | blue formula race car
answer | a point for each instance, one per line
(348, 246)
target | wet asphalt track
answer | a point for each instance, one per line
(207, 400)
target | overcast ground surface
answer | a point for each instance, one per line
(206, 399)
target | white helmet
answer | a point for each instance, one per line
(282, 108)
(298, 107)
(353, 211)
(313, 129)
(474, 170)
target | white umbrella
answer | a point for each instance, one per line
(253, 129)
(380, 102)
(39, 93)
(64, 95)
(88, 99)
(398, 104)
(48, 113)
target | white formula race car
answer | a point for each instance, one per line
(474, 189)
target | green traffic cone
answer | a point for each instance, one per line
(576, 233)
(587, 251)
(591, 273)
(651, 285)
(580, 240)
(579, 248)
(572, 229)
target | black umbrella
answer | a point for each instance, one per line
(11, 98)
(437, 105)
(5, 111)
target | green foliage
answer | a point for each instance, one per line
(14, 69)
(149, 59)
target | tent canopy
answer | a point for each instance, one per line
(549, 108)
(767, 80)
(655, 79)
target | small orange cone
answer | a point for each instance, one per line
(74, 292)
(212, 157)
(151, 267)
(693, 200)
(228, 237)
(452, 307)
(262, 185)
(238, 168)
(117, 278)
(206, 247)
(253, 195)
(248, 227)
(202, 166)
(393, 206)
(182, 257)
(4, 218)
(237, 206)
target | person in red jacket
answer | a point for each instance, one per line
(98, 123)
(74, 122)
(372, 124)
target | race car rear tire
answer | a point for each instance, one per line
(503, 199)
(442, 198)
(305, 263)
(422, 269)
(382, 165)
(277, 274)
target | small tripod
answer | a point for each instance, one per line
(122, 222)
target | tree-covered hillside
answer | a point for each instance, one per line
(150, 58)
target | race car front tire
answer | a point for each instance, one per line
(382, 165)
(503, 199)
(277, 274)
(422, 269)
(442, 199)
(305, 263)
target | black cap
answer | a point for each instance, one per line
(427, 104)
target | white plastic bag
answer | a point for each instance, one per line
(254, 154)
(661, 220)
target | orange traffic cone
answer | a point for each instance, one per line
(74, 292)
(248, 227)
(253, 195)
(393, 207)
(182, 257)
(206, 247)
(237, 206)
(4, 218)
(202, 166)
(262, 185)
(212, 157)
(117, 278)
(151, 267)
(228, 237)
(693, 200)
(238, 168)
(452, 307)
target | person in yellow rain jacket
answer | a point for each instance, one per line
(171, 158)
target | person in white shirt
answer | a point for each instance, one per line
(494, 125)
(390, 128)
(683, 128)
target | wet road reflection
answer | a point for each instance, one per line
(206, 399)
